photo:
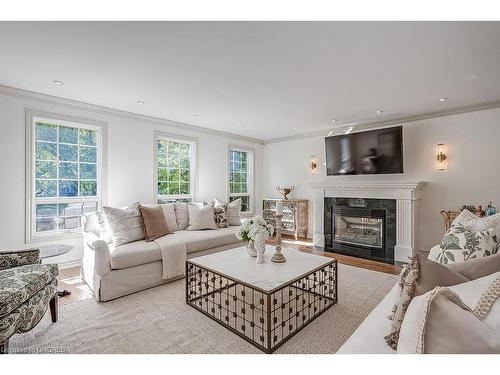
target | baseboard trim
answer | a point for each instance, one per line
(73, 264)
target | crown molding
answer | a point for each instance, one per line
(393, 121)
(74, 104)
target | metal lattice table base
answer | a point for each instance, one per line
(266, 319)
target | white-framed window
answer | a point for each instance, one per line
(63, 173)
(240, 178)
(175, 160)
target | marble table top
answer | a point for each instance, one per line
(238, 265)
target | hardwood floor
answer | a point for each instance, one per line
(70, 280)
(305, 245)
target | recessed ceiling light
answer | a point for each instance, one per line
(195, 115)
(334, 120)
(295, 128)
(306, 134)
(330, 133)
(443, 99)
(379, 111)
(241, 126)
(58, 82)
(140, 102)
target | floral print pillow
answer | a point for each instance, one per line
(460, 244)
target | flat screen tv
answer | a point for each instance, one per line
(371, 152)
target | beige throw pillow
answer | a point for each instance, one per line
(125, 224)
(201, 217)
(155, 224)
(169, 213)
(464, 318)
(181, 215)
(104, 229)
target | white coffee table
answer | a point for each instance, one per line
(266, 304)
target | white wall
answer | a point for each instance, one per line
(130, 169)
(473, 148)
(472, 141)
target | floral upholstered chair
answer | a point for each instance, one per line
(27, 288)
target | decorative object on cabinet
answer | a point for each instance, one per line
(295, 215)
(490, 210)
(278, 256)
(285, 191)
(450, 215)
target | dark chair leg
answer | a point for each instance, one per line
(4, 347)
(54, 308)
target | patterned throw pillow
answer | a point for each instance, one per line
(459, 245)
(408, 279)
(233, 210)
(221, 216)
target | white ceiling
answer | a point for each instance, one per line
(259, 79)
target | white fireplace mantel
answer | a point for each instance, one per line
(406, 194)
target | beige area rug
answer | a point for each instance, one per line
(159, 321)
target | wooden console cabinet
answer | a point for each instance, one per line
(295, 215)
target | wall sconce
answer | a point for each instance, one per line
(314, 165)
(440, 157)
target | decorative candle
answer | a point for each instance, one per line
(279, 208)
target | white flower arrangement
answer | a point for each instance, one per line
(253, 227)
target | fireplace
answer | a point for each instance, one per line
(361, 227)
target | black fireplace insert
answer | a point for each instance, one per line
(361, 227)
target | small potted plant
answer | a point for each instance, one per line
(254, 232)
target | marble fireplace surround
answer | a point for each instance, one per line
(406, 194)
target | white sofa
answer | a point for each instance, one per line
(115, 272)
(369, 336)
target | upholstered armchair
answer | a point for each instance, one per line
(27, 288)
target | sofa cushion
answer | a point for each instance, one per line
(126, 224)
(233, 210)
(134, 254)
(16, 258)
(142, 252)
(169, 212)
(463, 318)
(27, 315)
(155, 223)
(200, 240)
(20, 283)
(181, 215)
(460, 244)
(201, 217)
(221, 216)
